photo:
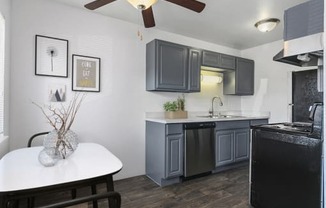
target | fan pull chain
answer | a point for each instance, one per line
(140, 35)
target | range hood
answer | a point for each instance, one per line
(303, 52)
(303, 35)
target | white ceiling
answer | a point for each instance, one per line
(224, 22)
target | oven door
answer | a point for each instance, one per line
(285, 170)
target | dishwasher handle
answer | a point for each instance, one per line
(203, 125)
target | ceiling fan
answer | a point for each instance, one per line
(146, 7)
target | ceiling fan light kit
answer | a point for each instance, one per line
(267, 25)
(146, 7)
(142, 4)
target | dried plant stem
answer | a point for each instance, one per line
(61, 119)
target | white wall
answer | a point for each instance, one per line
(115, 116)
(5, 11)
(272, 82)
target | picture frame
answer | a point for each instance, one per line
(51, 56)
(57, 93)
(86, 73)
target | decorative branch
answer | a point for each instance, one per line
(62, 118)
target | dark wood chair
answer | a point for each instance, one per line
(29, 143)
(113, 197)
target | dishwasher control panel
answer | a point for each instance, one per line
(202, 125)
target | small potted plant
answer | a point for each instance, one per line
(175, 109)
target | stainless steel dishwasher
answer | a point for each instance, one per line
(199, 148)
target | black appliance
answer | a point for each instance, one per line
(286, 163)
(199, 154)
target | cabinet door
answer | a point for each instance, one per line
(227, 62)
(174, 156)
(194, 70)
(224, 147)
(211, 59)
(241, 142)
(244, 77)
(172, 67)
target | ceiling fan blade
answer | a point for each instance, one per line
(98, 3)
(193, 5)
(148, 17)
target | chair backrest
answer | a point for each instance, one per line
(37, 137)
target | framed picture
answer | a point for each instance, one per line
(85, 73)
(51, 56)
(57, 93)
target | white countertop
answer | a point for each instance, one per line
(198, 117)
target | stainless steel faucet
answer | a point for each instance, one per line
(213, 99)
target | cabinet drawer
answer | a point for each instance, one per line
(232, 125)
(174, 129)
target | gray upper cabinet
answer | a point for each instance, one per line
(194, 70)
(210, 59)
(241, 80)
(304, 19)
(218, 60)
(172, 67)
(227, 61)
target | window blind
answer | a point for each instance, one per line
(2, 69)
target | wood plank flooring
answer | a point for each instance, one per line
(227, 189)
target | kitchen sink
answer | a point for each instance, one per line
(220, 116)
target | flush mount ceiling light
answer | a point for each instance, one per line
(142, 4)
(267, 25)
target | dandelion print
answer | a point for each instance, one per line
(53, 52)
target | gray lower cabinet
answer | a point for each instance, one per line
(241, 80)
(231, 142)
(172, 67)
(231, 146)
(241, 144)
(174, 155)
(164, 152)
(224, 151)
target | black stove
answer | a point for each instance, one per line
(286, 160)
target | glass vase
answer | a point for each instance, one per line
(48, 157)
(64, 143)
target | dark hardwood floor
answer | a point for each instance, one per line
(227, 189)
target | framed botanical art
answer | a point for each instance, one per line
(85, 73)
(51, 56)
